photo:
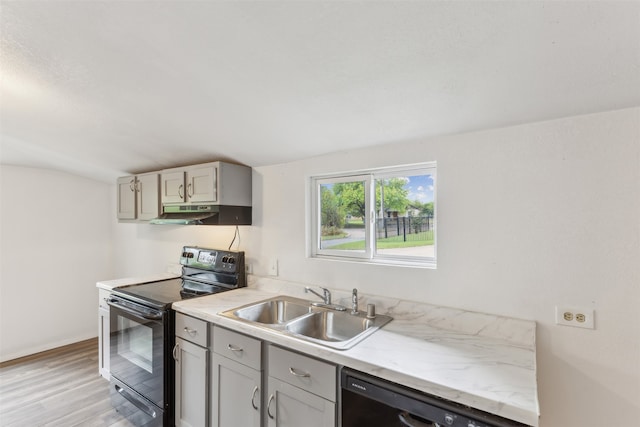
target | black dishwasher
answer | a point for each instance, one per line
(367, 401)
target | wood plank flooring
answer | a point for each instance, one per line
(59, 387)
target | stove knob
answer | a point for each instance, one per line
(232, 260)
(448, 419)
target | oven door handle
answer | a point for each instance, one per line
(153, 315)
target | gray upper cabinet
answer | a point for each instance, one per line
(216, 183)
(138, 197)
(126, 197)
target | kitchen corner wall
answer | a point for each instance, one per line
(55, 243)
(529, 217)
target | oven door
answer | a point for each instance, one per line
(137, 348)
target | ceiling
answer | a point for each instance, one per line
(107, 88)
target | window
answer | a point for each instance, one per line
(383, 216)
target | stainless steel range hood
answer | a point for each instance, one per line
(204, 215)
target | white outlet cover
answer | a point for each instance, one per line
(273, 267)
(579, 317)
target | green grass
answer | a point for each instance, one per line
(334, 236)
(388, 243)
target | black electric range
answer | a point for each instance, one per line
(143, 332)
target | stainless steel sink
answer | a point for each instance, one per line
(299, 318)
(274, 311)
(342, 329)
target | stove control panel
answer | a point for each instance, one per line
(212, 259)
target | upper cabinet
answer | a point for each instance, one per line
(138, 197)
(215, 193)
(215, 183)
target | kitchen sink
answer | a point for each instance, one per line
(274, 311)
(300, 319)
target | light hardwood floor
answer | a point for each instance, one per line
(59, 387)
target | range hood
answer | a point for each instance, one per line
(204, 215)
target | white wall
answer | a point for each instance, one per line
(530, 217)
(55, 245)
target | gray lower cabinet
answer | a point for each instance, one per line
(236, 380)
(237, 394)
(301, 390)
(191, 357)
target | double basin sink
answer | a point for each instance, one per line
(301, 319)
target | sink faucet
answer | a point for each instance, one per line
(327, 294)
(354, 301)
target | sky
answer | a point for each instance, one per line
(420, 188)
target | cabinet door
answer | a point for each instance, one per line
(147, 196)
(126, 197)
(191, 385)
(236, 392)
(103, 342)
(289, 406)
(202, 184)
(173, 190)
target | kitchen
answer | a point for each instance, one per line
(560, 198)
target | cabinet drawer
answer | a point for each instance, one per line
(191, 329)
(304, 372)
(238, 347)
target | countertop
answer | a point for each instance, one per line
(486, 362)
(119, 283)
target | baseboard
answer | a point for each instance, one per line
(45, 347)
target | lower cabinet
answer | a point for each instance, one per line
(191, 357)
(289, 406)
(237, 394)
(236, 380)
(301, 390)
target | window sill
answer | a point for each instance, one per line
(401, 262)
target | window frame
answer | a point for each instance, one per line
(370, 177)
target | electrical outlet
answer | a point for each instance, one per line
(577, 317)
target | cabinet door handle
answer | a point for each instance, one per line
(234, 348)
(176, 348)
(269, 407)
(189, 190)
(132, 185)
(298, 373)
(253, 398)
(190, 331)
(180, 187)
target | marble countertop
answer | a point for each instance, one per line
(486, 362)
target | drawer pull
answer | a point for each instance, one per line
(269, 407)
(253, 398)
(298, 373)
(190, 331)
(176, 351)
(234, 348)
